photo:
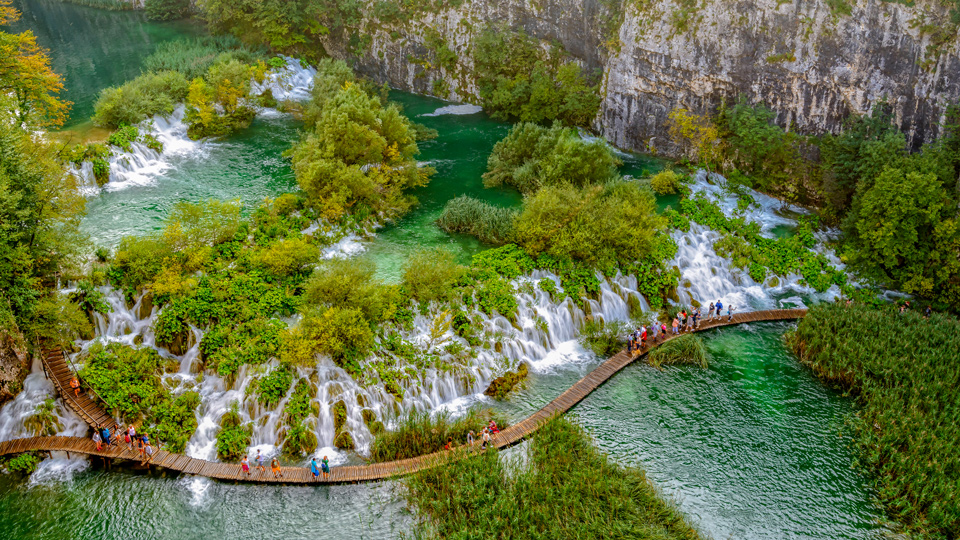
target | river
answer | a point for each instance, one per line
(752, 447)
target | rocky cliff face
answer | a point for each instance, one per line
(14, 364)
(810, 63)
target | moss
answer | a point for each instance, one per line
(501, 386)
(344, 441)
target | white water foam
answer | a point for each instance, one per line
(458, 110)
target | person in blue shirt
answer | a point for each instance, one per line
(314, 469)
(719, 309)
(106, 435)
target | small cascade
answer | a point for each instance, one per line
(292, 82)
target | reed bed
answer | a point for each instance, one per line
(489, 223)
(422, 433)
(566, 488)
(905, 372)
(685, 349)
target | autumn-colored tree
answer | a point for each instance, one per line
(27, 82)
(697, 135)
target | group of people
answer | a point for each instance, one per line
(323, 467)
(684, 321)
(486, 437)
(104, 436)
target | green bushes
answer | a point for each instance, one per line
(343, 334)
(299, 439)
(665, 182)
(430, 274)
(604, 338)
(686, 349)
(174, 422)
(531, 157)
(194, 57)
(234, 436)
(904, 372)
(43, 422)
(502, 385)
(517, 79)
(274, 385)
(565, 488)
(149, 94)
(166, 10)
(422, 433)
(490, 224)
(24, 463)
(358, 156)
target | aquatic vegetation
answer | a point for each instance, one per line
(173, 422)
(298, 439)
(502, 385)
(565, 488)
(423, 433)
(44, 421)
(430, 274)
(273, 386)
(490, 224)
(24, 463)
(903, 370)
(685, 349)
(234, 436)
(665, 182)
(604, 338)
(134, 101)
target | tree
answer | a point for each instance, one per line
(697, 135)
(28, 84)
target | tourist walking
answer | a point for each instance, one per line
(98, 440)
(719, 309)
(105, 433)
(140, 446)
(243, 465)
(713, 307)
(148, 451)
(449, 445)
(926, 312)
(492, 427)
(676, 326)
(75, 384)
(729, 313)
(128, 440)
(132, 431)
(643, 337)
(486, 438)
(470, 438)
(260, 468)
(653, 332)
(275, 467)
(663, 331)
(314, 468)
(325, 467)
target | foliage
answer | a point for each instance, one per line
(342, 333)
(347, 283)
(665, 182)
(565, 488)
(604, 338)
(904, 373)
(358, 156)
(419, 434)
(684, 349)
(429, 274)
(89, 298)
(531, 157)
(43, 422)
(502, 385)
(698, 137)
(194, 57)
(216, 103)
(517, 79)
(132, 102)
(126, 379)
(299, 440)
(25, 463)
(40, 209)
(290, 256)
(28, 84)
(174, 421)
(166, 10)
(56, 319)
(273, 386)
(234, 436)
(490, 224)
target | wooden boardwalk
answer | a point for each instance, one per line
(94, 415)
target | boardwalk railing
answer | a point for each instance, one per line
(94, 415)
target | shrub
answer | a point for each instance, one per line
(43, 422)
(423, 433)
(234, 436)
(166, 10)
(665, 182)
(174, 422)
(25, 463)
(490, 224)
(430, 274)
(349, 283)
(274, 385)
(343, 334)
(89, 298)
(531, 157)
(194, 57)
(58, 320)
(604, 338)
(126, 379)
(287, 257)
(149, 94)
(299, 440)
(124, 135)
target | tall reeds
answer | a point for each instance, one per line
(566, 488)
(905, 372)
(489, 223)
(685, 349)
(422, 433)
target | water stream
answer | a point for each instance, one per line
(751, 448)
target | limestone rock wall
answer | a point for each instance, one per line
(14, 364)
(811, 65)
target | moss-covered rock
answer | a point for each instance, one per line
(344, 441)
(501, 386)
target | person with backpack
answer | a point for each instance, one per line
(719, 309)
(713, 307)
(663, 331)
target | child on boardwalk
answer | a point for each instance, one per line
(277, 473)
(325, 467)
(676, 326)
(471, 437)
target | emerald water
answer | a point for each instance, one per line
(752, 447)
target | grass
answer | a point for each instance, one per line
(421, 433)
(905, 373)
(566, 489)
(489, 223)
(685, 349)
(604, 339)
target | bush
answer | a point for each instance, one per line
(605, 339)
(166, 10)
(501, 386)
(299, 440)
(126, 379)
(149, 94)
(490, 224)
(565, 488)
(234, 436)
(89, 298)
(174, 422)
(349, 283)
(58, 320)
(343, 334)
(194, 57)
(287, 257)
(431, 273)
(531, 157)
(24, 463)
(665, 182)
(422, 433)
(274, 385)
(903, 370)
(216, 103)
(516, 79)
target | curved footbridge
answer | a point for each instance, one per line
(56, 368)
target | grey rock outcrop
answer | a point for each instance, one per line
(14, 364)
(813, 66)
